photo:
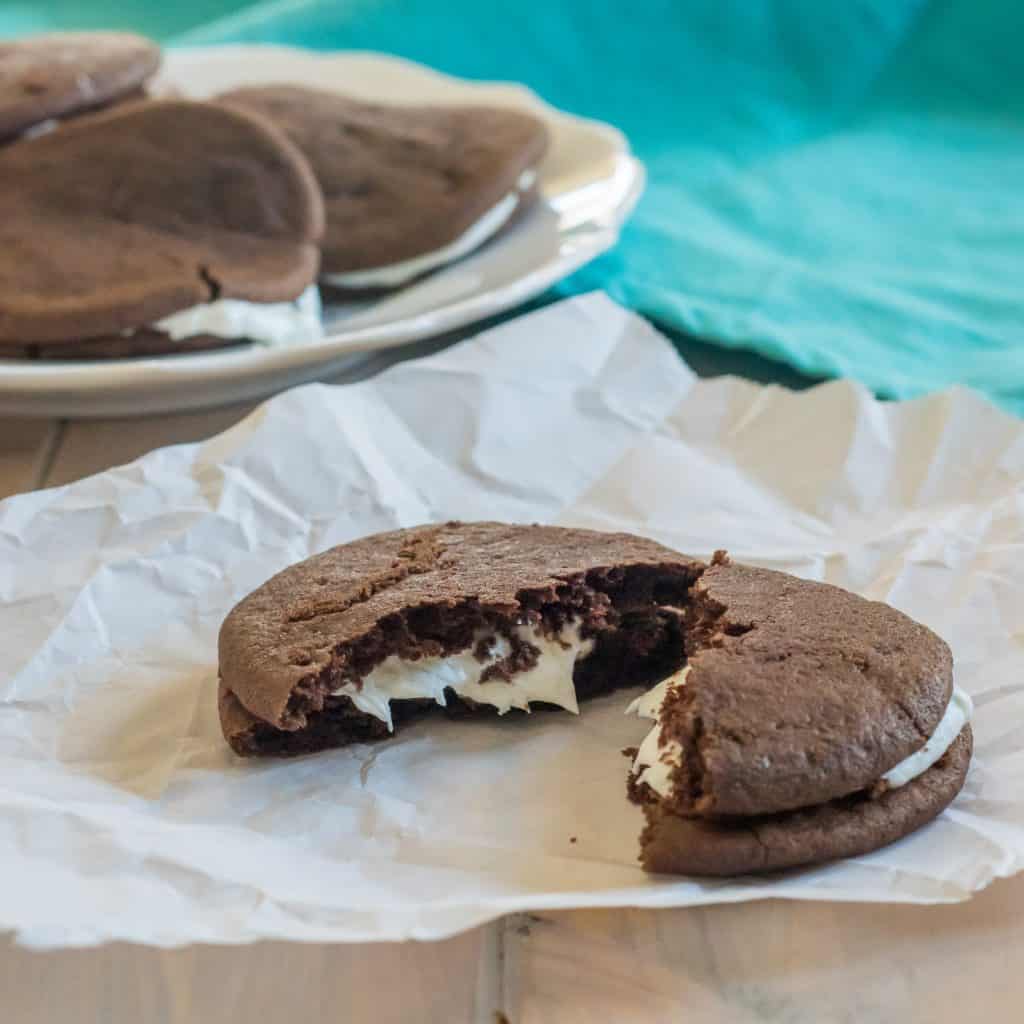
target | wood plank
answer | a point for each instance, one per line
(773, 961)
(25, 448)
(91, 446)
(430, 983)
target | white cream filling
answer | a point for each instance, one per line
(275, 324)
(549, 680)
(395, 274)
(655, 762)
(957, 714)
(41, 128)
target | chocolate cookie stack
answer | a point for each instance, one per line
(159, 226)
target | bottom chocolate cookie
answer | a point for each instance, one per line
(848, 827)
(137, 345)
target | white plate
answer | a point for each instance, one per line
(589, 181)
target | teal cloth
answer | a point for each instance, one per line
(840, 186)
(25, 17)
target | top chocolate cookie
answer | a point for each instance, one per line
(399, 182)
(799, 692)
(65, 73)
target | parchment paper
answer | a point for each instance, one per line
(124, 816)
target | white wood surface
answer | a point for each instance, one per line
(771, 961)
(91, 446)
(25, 449)
(270, 982)
(774, 961)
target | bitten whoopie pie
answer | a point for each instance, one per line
(407, 189)
(807, 724)
(65, 73)
(156, 224)
(794, 722)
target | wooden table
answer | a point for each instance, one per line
(767, 961)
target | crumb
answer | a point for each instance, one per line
(630, 752)
(572, 839)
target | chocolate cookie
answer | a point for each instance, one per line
(407, 189)
(308, 659)
(66, 73)
(779, 669)
(794, 721)
(142, 343)
(133, 220)
(808, 724)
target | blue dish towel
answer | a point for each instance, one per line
(840, 186)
